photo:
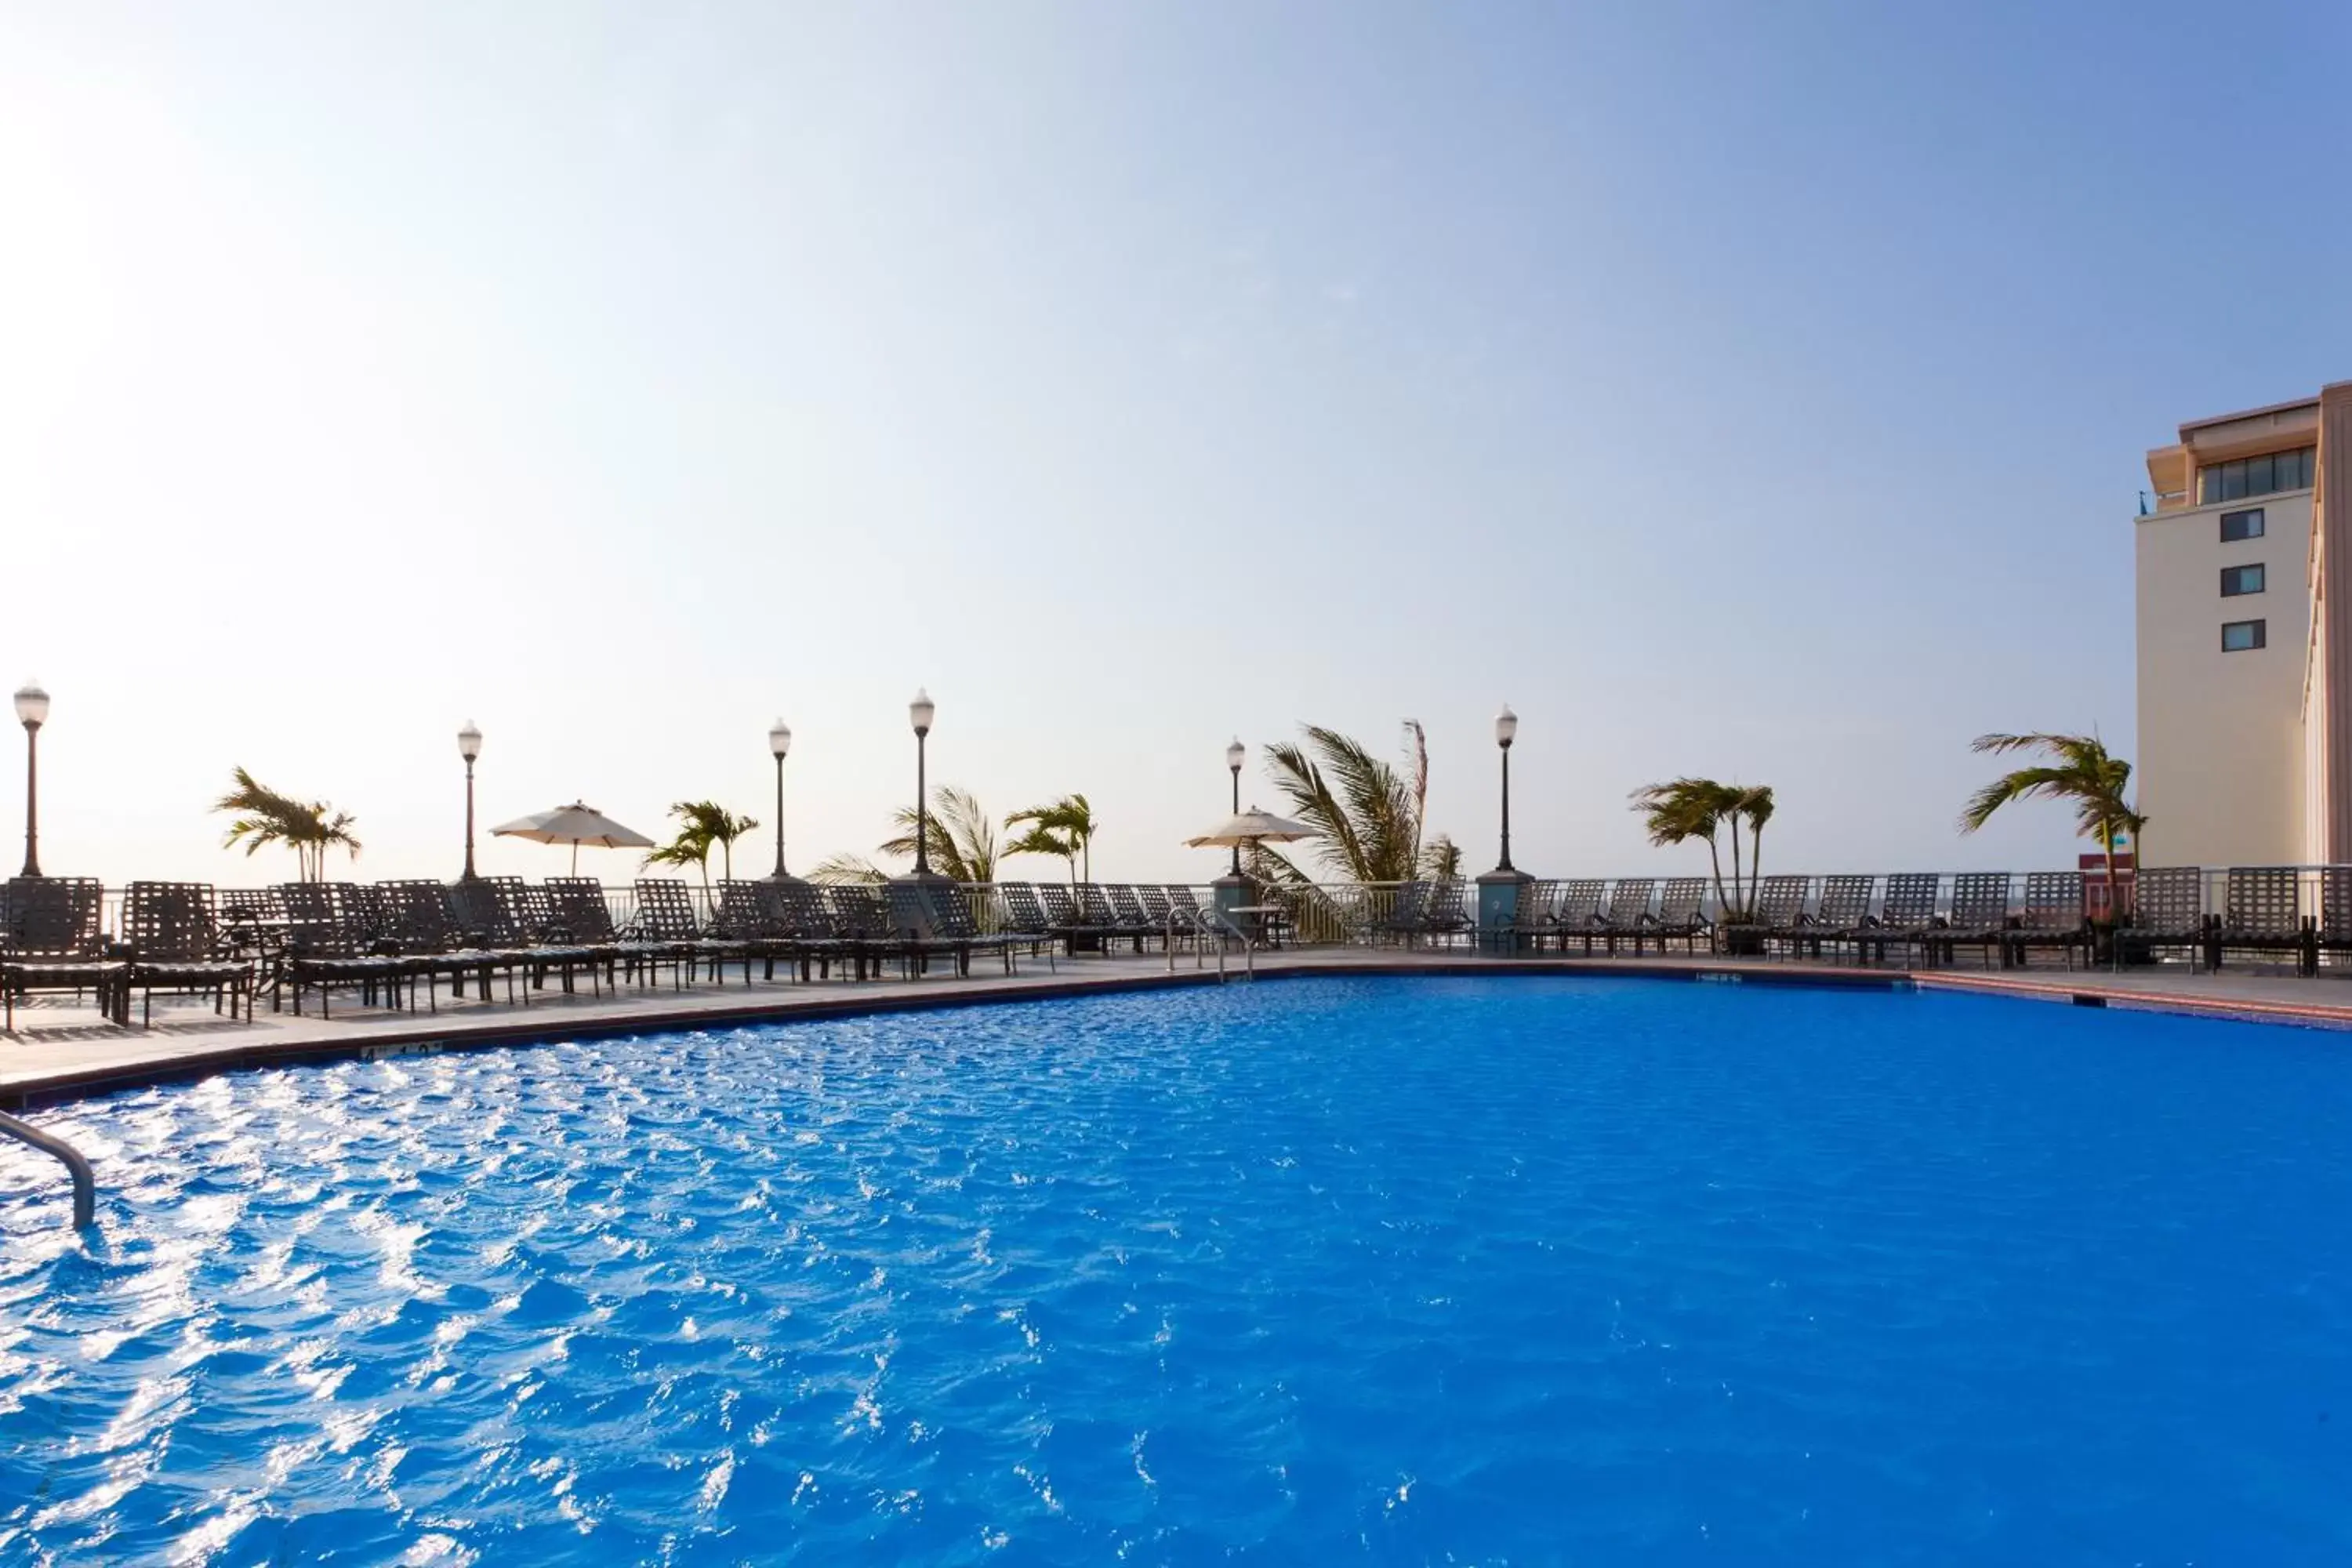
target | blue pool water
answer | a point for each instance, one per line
(1395, 1271)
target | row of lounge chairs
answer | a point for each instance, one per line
(51, 941)
(1853, 916)
(383, 939)
(394, 943)
(2288, 913)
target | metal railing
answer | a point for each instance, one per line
(85, 1180)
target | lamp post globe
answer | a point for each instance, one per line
(779, 742)
(919, 713)
(469, 746)
(32, 712)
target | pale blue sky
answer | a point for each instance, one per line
(1755, 391)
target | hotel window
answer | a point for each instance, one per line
(2239, 637)
(2256, 476)
(2237, 580)
(2238, 525)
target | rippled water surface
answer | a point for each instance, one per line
(1397, 1270)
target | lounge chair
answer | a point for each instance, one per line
(1081, 931)
(2335, 933)
(2262, 912)
(1446, 916)
(329, 943)
(428, 933)
(503, 914)
(666, 914)
(1025, 915)
(1682, 914)
(2052, 917)
(1576, 916)
(956, 918)
(1978, 917)
(51, 942)
(748, 912)
(1097, 909)
(1626, 918)
(863, 916)
(175, 945)
(2169, 911)
(1843, 909)
(1907, 917)
(1780, 910)
(1402, 920)
(581, 914)
(1531, 919)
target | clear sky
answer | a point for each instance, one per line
(1758, 390)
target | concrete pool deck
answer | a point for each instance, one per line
(63, 1048)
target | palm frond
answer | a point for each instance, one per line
(848, 869)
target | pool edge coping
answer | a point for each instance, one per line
(75, 1083)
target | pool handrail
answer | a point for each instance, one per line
(85, 1181)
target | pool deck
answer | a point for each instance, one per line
(62, 1048)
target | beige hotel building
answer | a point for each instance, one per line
(2243, 560)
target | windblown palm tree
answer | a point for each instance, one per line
(1064, 828)
(959, 833)
(2079, 770)
(1686, 808)
(308, 827)
(1367, 812)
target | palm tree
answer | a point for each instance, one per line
(2079, 770)
(703, 825)
(1682, 809)
(958, 831)
(1064, 828)
(1367, 813)
(266, 816)
(1686, 808)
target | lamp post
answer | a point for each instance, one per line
(1234, 756)
(469, 746)
(918, 713)
(780, 741)
(1506, 730)
(33, 711)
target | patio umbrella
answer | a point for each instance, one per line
(1252, 826)
(574, 825)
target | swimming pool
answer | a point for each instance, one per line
(1521, 1269)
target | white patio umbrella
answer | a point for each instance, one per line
(1252, 826)
(575, 825)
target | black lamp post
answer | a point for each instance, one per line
(780, 741)
(1234, 756)
(469, 746)
(1506, 730)
(33, 710)
(918, 713)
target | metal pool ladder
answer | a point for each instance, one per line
(1208, 923)
(85, 1182)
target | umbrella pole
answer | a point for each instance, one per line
(575, 856)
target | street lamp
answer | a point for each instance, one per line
(33, 711)
(1234, 756)
(780, 741)
(1506, 730)
(469, 746)
(918, 714)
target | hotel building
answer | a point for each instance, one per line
(2243, 560)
